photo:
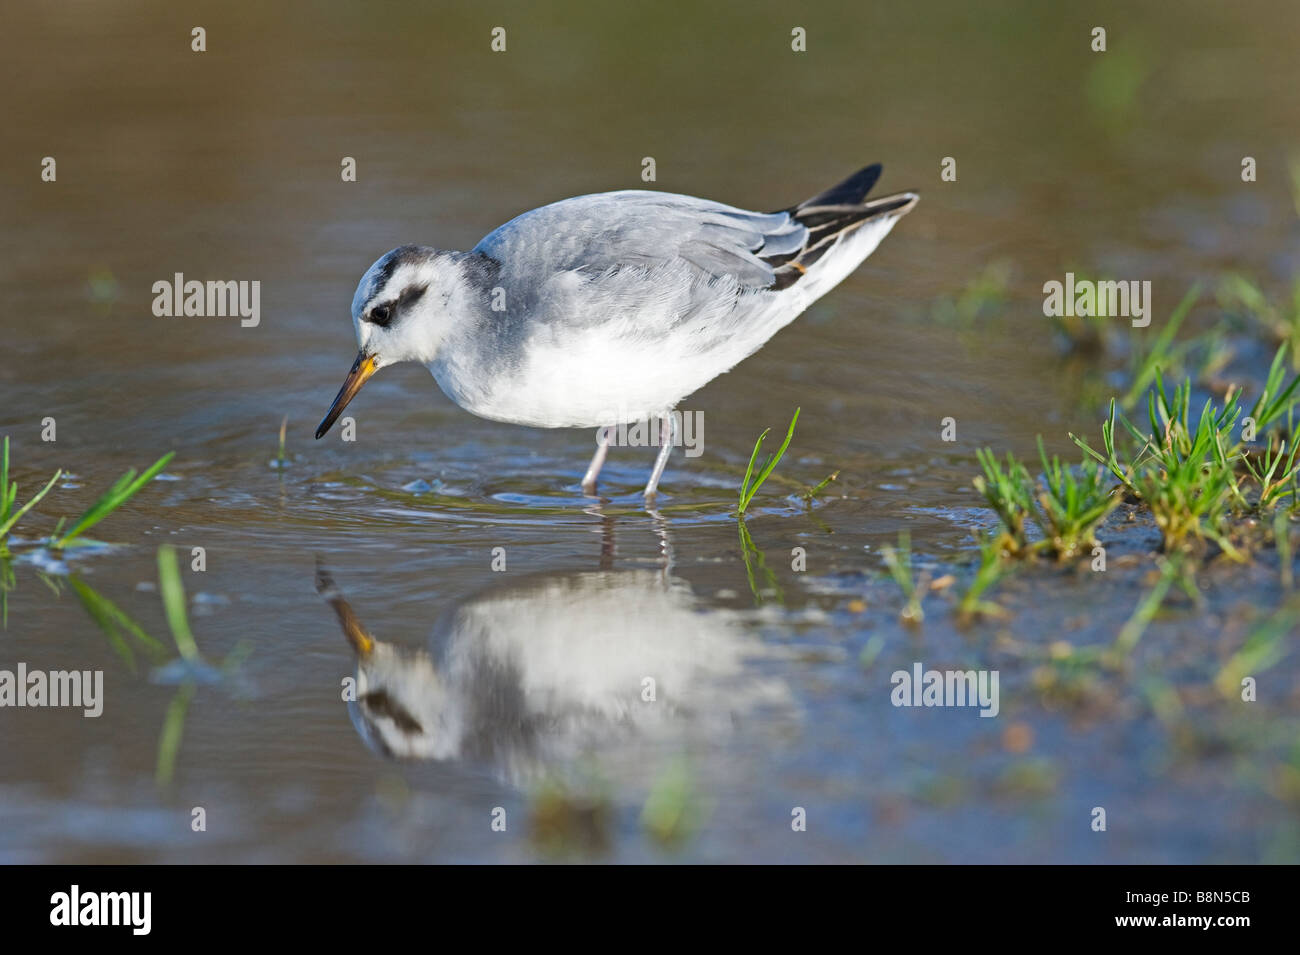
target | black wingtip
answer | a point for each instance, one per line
(851, 192)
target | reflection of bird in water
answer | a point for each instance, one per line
(531, 675)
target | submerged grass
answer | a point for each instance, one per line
(116, 624)
(568, 818)
(1268, 642)
(1241, 296)
(1129, 635)
(1282, 541)
(756, 566)
(993, 568)
(173, 597)
(169, 740)
(674, 810)
(187, 671)
(986, 291)
(899, 562)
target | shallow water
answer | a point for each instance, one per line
(226, 164)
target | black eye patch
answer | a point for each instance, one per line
(411, 295)
(383, 315)
(381, 704)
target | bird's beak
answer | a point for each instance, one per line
(362, 369)
(362, 642)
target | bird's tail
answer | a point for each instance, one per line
(840, 210)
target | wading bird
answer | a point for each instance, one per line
(611, 308)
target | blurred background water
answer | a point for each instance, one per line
(226, 165)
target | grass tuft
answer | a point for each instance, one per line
(1072, 506)
(1009, 492)
(1067, 507)
(9, 518)
(1197, 473)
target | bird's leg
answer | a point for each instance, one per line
(597, 461)
(669, 424)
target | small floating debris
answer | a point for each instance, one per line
(46, 562)
(181, 671)
(202, 604)
(421, 486)
(281, 462)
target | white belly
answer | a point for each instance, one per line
(600, 375)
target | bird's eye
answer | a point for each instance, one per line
(381, 314)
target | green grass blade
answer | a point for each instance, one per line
(1282, 540)
(746, 492)
(15, 518)
(125, 488)
(110, 617)
(1161, 349)
(1146, 610)
(812, 493)
(755, 560)
(1266, 645)
(99, 611)
(173, 596)
(169, 741)
(775, 459)
(6, 499)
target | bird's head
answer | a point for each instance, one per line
(400, 704)
(399, 314)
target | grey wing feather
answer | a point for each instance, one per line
(643, 230)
